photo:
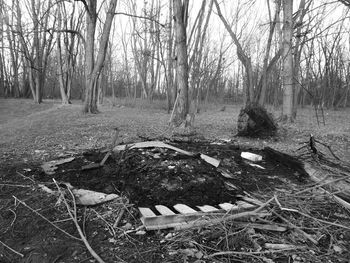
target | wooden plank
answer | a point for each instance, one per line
(163, 210)
(163, 222)
(146, 212)
(207, 208)
(184, 209)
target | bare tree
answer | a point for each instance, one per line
(37, 51)
(13, 48)
(171, 91)
(263, 83)
(68, 41)
(242, 56)
(197, 50)
(182, 103)
(254, 95)
(93, 67)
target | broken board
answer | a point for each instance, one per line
(162, 217)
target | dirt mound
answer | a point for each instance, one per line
(153, 176)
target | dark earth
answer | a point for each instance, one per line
(150, 177)
(155, 176)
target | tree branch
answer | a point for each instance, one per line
(85, 5)
(70, 31)
(142, 17)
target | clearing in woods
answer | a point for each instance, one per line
(31, 134)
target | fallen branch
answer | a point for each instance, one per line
(47, 220)
(297, 229)
(109, 226)
(120, 215)
(226, 253)
(16, 185)
(25, 177)
(324, 221)
(11, 249)
(73, 216)
(282, 246)
(315, 175)
(266, 227)
(323, 184)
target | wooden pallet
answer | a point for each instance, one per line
(162, 217)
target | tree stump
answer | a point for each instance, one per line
(255, 121)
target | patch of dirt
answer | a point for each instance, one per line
(154, 176)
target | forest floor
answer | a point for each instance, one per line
(32, 134)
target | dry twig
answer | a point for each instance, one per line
(120, 215)
(47, 220)
(25, 177)
(73, 216)
(223, 253)
(16, 185)
(11, 249)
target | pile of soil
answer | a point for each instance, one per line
(153, 176)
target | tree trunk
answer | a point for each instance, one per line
(61, 73)
(287, 73)
(169, 71)
(92, 68)
(182, 105)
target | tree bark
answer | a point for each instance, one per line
(92, 68)
(182, 105)
(287, 72)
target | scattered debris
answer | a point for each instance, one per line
(87, 197)
(160, 144)
(226, 173)
(140, 232)
(257, 166)
(334, 184)
(311, 149)
(98, 165)
(251, 156)
(243, 227)
(83, 197)
(50, 167)
(282, 246)
(46, 189)
(187, 217)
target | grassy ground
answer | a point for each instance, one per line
(27, 129)
(31, 134)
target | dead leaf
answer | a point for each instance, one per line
(337, 249)
(50, 167)
(87, 197)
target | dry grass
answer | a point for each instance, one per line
(53, 128)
